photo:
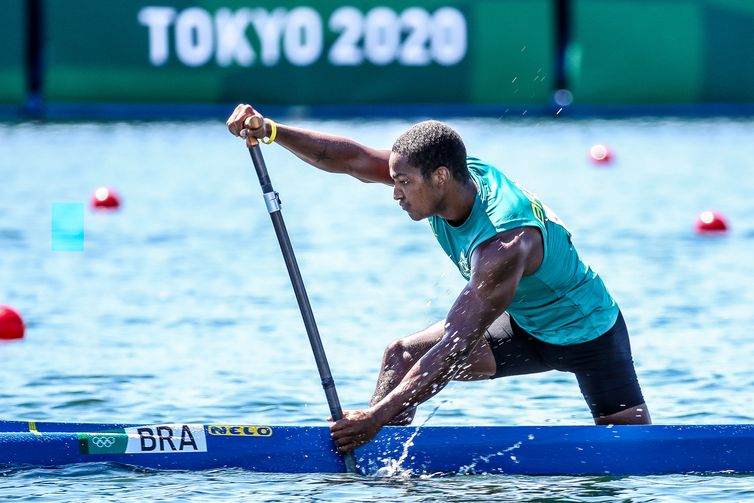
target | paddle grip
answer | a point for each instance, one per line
(253, 122)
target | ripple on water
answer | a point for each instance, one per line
(180, 307)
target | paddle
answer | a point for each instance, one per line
(273, 206)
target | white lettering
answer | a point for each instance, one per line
(269, 28)
(232, 45)
(413, 37)
(382, 36)
(448, 36)
(303, 36)
(415, 51)
(193, 37)
(349, 22)
(157, 20)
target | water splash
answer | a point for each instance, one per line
(394, 467)
(470, 469)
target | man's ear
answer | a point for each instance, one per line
(441, 175)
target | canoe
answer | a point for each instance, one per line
(408, 450)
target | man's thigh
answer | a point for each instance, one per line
(515, 352)
(480, 364)
(505, 350)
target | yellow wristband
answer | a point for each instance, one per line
(273, 132)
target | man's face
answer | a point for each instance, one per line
(419, 197)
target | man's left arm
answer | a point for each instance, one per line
(497, 267)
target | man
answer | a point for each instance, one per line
(530, 304)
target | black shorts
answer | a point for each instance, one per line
(603, 366)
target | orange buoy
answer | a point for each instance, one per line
(11, 324)
(710, 221)
(600, 154)
(105, 198)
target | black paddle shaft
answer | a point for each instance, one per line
(273, 206)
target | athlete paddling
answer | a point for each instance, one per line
(530, 305)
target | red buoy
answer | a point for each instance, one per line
(105, 198)
(710, 221)
(600, 154)
(11, 324)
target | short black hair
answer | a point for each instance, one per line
(430, 144)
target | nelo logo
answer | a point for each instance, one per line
(240, 431)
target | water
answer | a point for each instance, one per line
(180, 308)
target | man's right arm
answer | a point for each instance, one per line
(335, 154)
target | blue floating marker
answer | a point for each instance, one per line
(68, 227)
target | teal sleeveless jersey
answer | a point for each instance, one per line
(564, 302)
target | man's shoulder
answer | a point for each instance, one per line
(483, 169)
(476, 163)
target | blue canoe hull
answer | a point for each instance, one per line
(530, 450)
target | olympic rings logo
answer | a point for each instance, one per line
(103, 442)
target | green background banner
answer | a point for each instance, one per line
(291, 53)
(662, 51)
(336, 52)
(12, 52)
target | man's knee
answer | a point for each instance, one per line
(398, 352)
(408, 350)
(638, 414)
